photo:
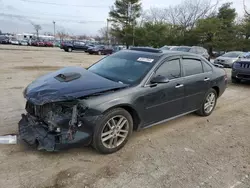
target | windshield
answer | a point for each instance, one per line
(183, 49)
(232, 54)
(123, 66)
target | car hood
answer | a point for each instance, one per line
(68, 83)
(227, 58)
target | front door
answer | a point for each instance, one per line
(164, 100)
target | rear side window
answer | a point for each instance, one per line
(192, 67)
(170, 69)
(193, 50)
(206, 67)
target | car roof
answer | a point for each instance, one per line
(162, 53)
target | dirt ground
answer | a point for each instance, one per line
(189, 152)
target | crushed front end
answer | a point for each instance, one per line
(54, 126)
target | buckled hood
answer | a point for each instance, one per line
(67, 84)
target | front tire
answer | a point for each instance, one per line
(113, 131)
(69, 49)
(208, 104)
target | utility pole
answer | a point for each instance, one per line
(54, 23)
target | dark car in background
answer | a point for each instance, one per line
(74, 45)
(87, 47)
(193, 49)
(241, 69)
(100, 50)
(63, 43)
(128, 90)
(4, 40)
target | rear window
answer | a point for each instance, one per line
(182, 49)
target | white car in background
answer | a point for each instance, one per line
(229, 58)
(14, 42)
(24, 42)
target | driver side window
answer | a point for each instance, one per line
(170, 69)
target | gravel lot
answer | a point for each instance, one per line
(189, 152)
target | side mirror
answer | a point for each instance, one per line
(159, 80)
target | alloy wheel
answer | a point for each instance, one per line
(210, 103)
(115, 131)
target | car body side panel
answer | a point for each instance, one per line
(163, 101)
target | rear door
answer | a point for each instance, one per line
(196, 81)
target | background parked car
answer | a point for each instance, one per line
(100, 50)
(75, 45)
(241, 69)
(64, 42)
(218, 53)
(4, 40)
(48, 44)
(229, 58)
(193, 49)
(23, 42)
(14, 42)
(87, 47)
(40, 43)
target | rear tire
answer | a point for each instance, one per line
(208, 104)
(235, 80)
(112, 131)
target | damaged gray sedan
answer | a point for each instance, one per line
(126, 91)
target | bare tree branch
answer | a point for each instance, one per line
(37, 28)
(245, 8)
(62, 35)
(189, 12)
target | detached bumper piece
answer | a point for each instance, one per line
(36, 133)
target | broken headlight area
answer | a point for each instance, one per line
(53, 125)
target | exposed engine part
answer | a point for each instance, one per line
(56, 114)
(72, 124)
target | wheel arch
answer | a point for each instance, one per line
(131, 110)
(217, 89)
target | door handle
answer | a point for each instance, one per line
(206, 79)
(179, 86)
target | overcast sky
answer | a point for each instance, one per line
(74, 16)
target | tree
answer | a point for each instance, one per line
(245, 8)
(123, 17)
(62, 35)
(37, 28)
(207, 30)
(104, 33)
(189, 12)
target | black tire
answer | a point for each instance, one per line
(69, 49)
(97, 140)
(235, 80)
(201, 111)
